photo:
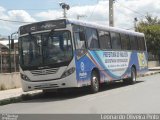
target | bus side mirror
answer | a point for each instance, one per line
(12, 44)
(82, 36)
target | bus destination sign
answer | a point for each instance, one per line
(41, 26)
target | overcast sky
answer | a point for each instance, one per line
(94, 10)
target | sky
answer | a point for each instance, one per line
(94, 10)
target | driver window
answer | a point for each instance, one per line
(79, 44)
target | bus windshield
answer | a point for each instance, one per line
(45, 48)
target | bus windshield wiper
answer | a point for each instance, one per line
(30, 36)
(51, 32)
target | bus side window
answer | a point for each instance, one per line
(92, 38)
(125, 42)
(115, 40)
(133, 42)
(141, 43)
(104, 40)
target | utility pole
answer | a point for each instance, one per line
(111, 13)
(65, 7)
(9, 54)
(135, 23)
(1, 61)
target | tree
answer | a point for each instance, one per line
(150, 26)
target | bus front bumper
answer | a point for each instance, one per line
(67, 82)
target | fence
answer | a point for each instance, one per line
(153, 57)
(9, 62)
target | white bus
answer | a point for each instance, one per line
(68, 54)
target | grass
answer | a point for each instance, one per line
(23, 97)
(10, 100)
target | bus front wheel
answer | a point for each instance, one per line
(94, 82)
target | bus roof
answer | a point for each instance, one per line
(78, 22)
(95, 25)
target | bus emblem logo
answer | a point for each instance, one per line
(82, 74)
(82, 66)
(33, 28)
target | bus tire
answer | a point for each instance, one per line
(133, 78)
(94, 82)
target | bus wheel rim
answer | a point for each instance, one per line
(133, 76)
(95, 82)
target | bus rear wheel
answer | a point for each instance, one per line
(133, 78)
(94, 82)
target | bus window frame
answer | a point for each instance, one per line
(142, 39)
(119, 39)
(126, 35)
(73, 25)
(109, 40)
(136, 42)
(96, 30)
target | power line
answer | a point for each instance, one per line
(28, 9)
(15, 21)
(33, 9)
(93, 10)
(136, 12)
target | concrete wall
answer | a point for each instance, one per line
(10, 80)
(153, 64)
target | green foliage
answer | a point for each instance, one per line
(10, 100)
(150, 26)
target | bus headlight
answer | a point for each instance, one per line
(68, 72)
(24, 77)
